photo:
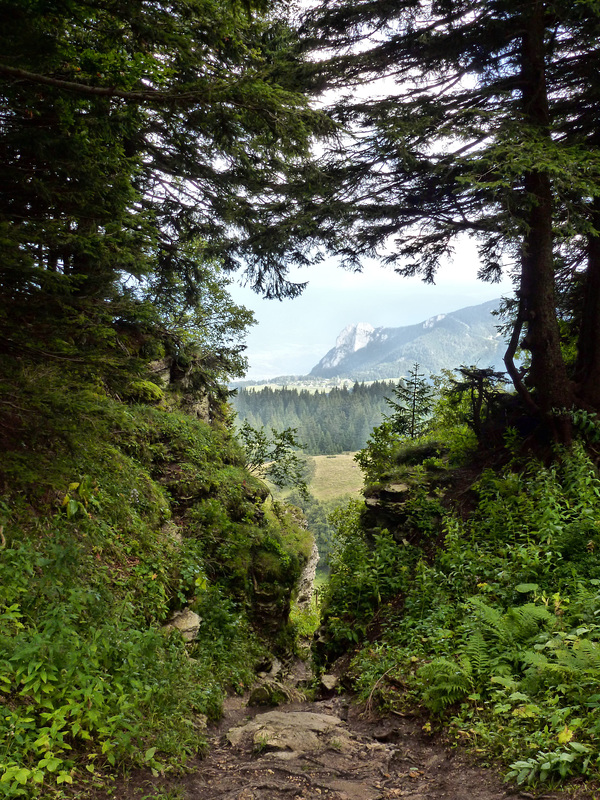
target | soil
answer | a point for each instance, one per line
(353, 758)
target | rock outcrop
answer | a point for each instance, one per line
(187, 622)
(289, 733)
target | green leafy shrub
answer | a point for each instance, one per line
(498, 631)
(123, 515)
(367, 570)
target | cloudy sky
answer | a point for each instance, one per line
(291, 336)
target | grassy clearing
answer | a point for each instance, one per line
(336, 476)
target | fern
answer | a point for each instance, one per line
(535, 659)
(446, 682)
(524, 621)
(582, 659)
(476, 650)
(489, 616)
(516, 626)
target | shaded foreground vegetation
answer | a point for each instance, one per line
(469, 586)
(113, 516)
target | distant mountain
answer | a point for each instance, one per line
(467, 336)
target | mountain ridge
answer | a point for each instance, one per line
(444, 341)
(363, 352)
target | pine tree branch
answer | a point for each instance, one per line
(95, 91)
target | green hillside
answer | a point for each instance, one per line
(113, 518)
(465, 585)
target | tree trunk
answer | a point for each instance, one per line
(587, 372)
(548, 375)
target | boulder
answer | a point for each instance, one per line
(292, 731)
(329, 683)
(187, 622)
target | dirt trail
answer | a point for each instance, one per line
(327, 750)
(359, 762)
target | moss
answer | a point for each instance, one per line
(144, 392)
(91, 568)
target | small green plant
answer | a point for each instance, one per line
(306, 619)
(81, 497)
(261, 743)
(574, 759)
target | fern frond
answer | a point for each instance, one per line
(476, 651)
(489, 616)
(535, 659)
(524, 621)
(583, 657)
(446, 682)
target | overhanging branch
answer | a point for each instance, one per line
(151, 95)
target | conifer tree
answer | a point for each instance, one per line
(130, 133)
(412, 406)
(489, 130)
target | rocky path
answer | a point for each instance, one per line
(326, 750)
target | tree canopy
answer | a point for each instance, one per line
(132, 137)
(487, 131)
(142, 139)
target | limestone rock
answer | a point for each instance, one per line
(296, 731)
(306, 585)
(172, 532)
(273, 693)
(329, 683)
(275, 668)
(187, 622)
(161, 371)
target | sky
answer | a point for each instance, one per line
(291, 336)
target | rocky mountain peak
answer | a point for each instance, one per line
(443, 341)
(350, 340)
(354, 337)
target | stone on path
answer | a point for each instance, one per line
(293, 732)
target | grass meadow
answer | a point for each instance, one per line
(335, 476)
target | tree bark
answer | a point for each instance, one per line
(587, 371)
(548, 374)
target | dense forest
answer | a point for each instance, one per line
(148, 150)
(327, 422)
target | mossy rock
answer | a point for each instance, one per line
(144, 392)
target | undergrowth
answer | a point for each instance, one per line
(497, 634)
(112, 518)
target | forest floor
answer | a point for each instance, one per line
(329, 749)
